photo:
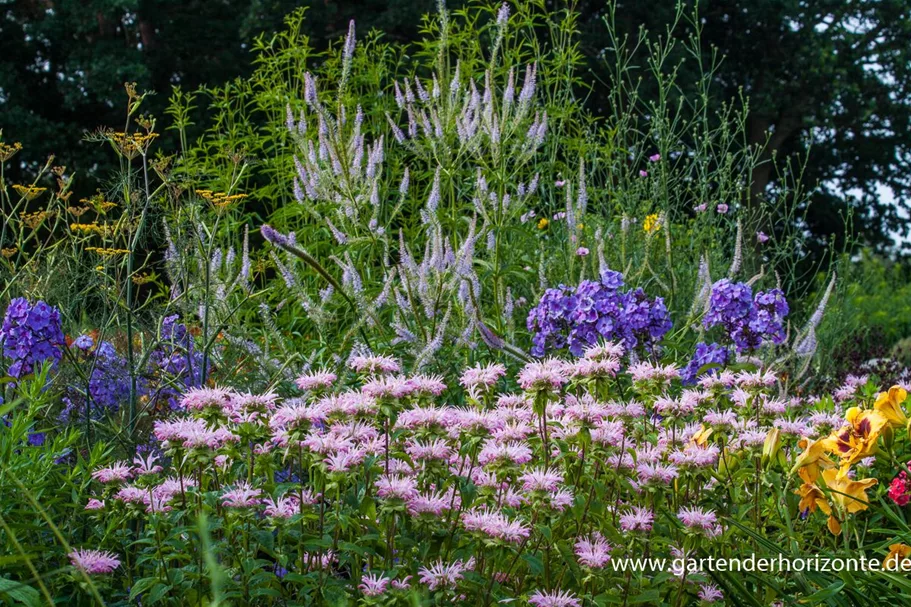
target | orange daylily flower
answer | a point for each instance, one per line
(897, 554)
(849, 496)
(811, 496)
(889, 404)
(858, 438)
(815, 457)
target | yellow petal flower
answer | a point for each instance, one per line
(889, 405)
(543, 223)
(897, 554)
(847, 494)
(815, 457)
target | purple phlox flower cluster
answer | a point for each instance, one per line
(176, 359)
(31, 335)
(579, 317)
(108, 384)
(747, 320)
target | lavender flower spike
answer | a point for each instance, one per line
(276, 237)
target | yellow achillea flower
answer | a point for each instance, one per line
(33, 220)
(98, 203)
(7, 151)
(889, 404)
(9, 252)
(104, 252)
(897, 554)
(220, 199)
(848, 496)
(652, 223)
(543, 223)
(141, 279)
(131, 145)
(29, 192)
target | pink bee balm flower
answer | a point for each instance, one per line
(373, 585)
(654, 158)
(115, 473)
(94, 561)
(197, 399)
(637, 519)
(442, 575)
(95, 504)
(244, 496)
(396, 487)
(710, 593)
(374, 364)
(593, 552)
(547, 375)
(541, 480)
(553, 599)
(495, 524)
(697, 518)
(315, 380)
(485, 376)
(643, 173)
(283, 507)
(582, 252)
(147, 465)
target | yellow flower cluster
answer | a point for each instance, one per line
(131, 145)
(33, 220)
(652, 223)
(855, 440)
(7, 151)
(98, 203)
(9, 252)
(220, 199)
(29, 192)
(102, 229)
(104, 252)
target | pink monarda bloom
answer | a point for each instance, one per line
(94, 562)
(700, 208)
(656, 473)
(609, 434)
(604, 351)
(540, 376)
(283, 507)
(697, 518)
(720, 419)
(582, 252)
(592, 368)
(144, 466)
(317, 561)
(436, 449)
(372, 365)
(755, 379)
(344, 461)
(646, 371)
(495, 524)
(643, 173)
(132, 495)
(402, 584)
(198, 399)
(482, 376)
(315, 380)
(95, 504)
(654, 158)
(373, 585)
(396, 488)
(542, 598)
(710, 593)
(434, 504)
(637, 519)
(695, 457)
(593, 551)
(442, 575)
(541, 480)
(244, 496)
(504, 453)
(115, 473)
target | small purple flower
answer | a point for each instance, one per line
(762, 237)
(722, 208)
(582, 252)
(654, 158)
(31, 335)
(643, 173)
